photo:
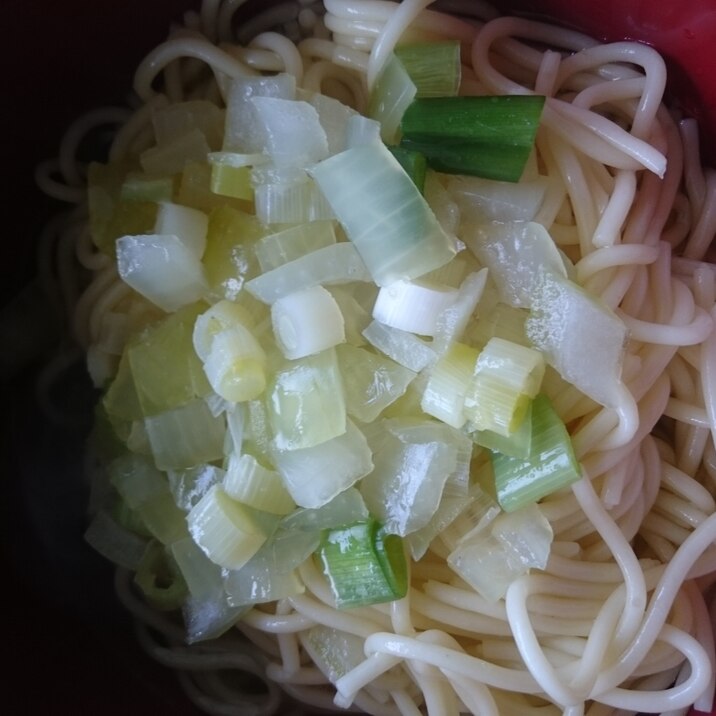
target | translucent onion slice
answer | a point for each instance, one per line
(187, 224)
(305, 402)
(399, 238)
(372, 382)
(519, 255)
(277, 249)
(316, 475)
(186, 436)
(339, 263)
(291, 130)
(243, 126)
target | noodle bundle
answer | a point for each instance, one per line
(620, 620)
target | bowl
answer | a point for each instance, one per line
(65, 622)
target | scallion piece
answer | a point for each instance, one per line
(160, 580)
(413, 162)
(399, 236)
(391, 96)
(507, 375)
(491, 137)
(225, 529)
(364, 565)
(434, 67)
(551, 464)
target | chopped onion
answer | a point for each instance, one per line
(291, 131)
(305, 402)
(162, 268)
(243, 126)
(187, 224)
(316, 475)
(519, 255)
(339, 263)
(403, 347)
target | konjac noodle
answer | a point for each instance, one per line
(383, 433)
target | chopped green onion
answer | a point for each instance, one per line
(251, 483)
(259, 581)
(503, 321)
(527, 534)
(236, 364)
(224, 529)
(414, 164)
(235, 182)
(128, 518)
(506, 376)
(195, 190)
(550, 466)
(516, 444)
(160, 580)
(222, 316)
(434, 67)
(413, 305)
(201, 575)
(391, 96)
(448, 382)
(490, 137)
(399, 238)
(307, 322)
(364, 565)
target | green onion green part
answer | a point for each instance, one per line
(551, 464)
(434, 67)
(413, 162)
(491, 137)
(363, 564)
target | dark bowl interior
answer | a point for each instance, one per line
(65, 626)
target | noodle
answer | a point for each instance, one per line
(619, 621)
